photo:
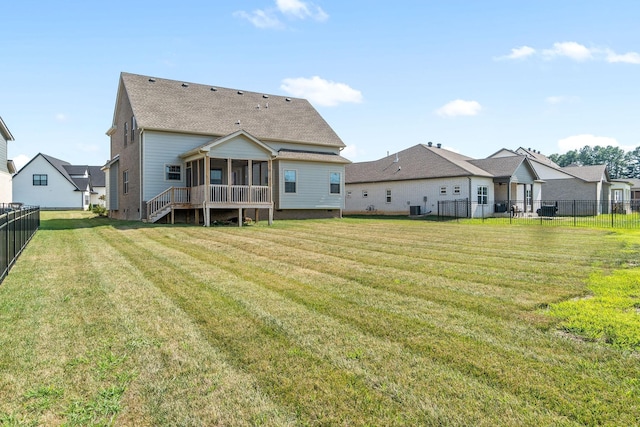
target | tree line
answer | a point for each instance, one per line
(621, 164)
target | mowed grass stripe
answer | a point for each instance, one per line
(196, 315)
(305, 383)
(479, 270)
(437, 281)
(416, 379)
(181, 379)
(544, 366)
(115, 348)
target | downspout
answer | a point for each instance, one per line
(470, 214)
(140, 172)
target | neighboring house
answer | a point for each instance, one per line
(635, 188)
(580, 183)
(7, 168)
(621, 195)
(184, 149)
(55, 184)
(415, 180)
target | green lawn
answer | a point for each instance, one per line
(331, 322)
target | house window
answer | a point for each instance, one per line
(456, 189)
(388, 195)
(125, 182)
(172, 172)
(482, 194)
(126, 132)
(527, 197)
(335, 182)
(215, 176)
(133, 128)
(348, 194)
(365, 194)
(86, 199)
(289, 181)
(40, 179)
(443, 190)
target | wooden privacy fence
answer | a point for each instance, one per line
(598, 213)
(17, 227)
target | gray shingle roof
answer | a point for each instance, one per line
(417, 162)
(500, 167)
(171, 105)
(592, 173)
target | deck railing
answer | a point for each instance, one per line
(222, 194)
(239, 194)
(170, 196)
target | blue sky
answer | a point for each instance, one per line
(473, 76)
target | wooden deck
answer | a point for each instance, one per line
(210, 197)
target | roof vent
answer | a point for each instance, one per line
(266, 105)
(237, 122)
(429, 143)
(214, 89)
(288, 99)
(185, 84)
(258, 107)
(439, 145)
(240, 92)
(265, 96)
(152, 80)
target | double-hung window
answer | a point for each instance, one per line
(125, 182)
(172, 173)
(290, 180)
(40, 179)
(335, 182)
(388, 195)
(483, 193)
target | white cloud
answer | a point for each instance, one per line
(350, 152)
(521, 52)
(20, 160)
(572, 50)
(301, 10)
(263, 19)
(320, 91)
(459, 107)
(61, 117)
(576, 142)
(269, 18)
(562, 99)
(629, 57)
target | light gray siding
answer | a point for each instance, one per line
(160, 149)
(114, 188)
(312, 186)
(239, 148)
(3, 155)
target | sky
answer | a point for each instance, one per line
(474, 76)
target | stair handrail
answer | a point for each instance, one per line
(159, 202)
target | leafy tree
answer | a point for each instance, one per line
(619, 163)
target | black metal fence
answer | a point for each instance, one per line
(18, 224)
(611, 214)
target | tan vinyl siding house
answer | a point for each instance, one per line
(192, 152)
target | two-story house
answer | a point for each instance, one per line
(181, 150)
